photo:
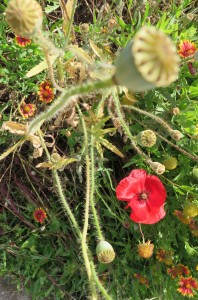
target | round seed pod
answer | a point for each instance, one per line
(195, 172)
(176, 135)
(105, 252)
(149, 61)
(170, 163)
(190, 210)
(24, 17)
(146, 138)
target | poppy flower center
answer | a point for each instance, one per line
(143, 196)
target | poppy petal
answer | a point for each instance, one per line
(131, 185)
(157, 192)
(152, 217)
(139, 206)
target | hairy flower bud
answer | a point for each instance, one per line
(145, 250)
(149, 61)
(146, 138)
(157, 167)
(176, 135)
(24, 17)
(105, 252)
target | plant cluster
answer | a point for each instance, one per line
(92, 115)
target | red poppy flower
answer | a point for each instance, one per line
(21, 41)
(39, 215)
(145, 195)
(187, 286)
(186, 48)
(46, 92)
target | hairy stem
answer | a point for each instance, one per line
(64, 100)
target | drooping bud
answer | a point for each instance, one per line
(149, 61)
(176, 135)
(157, 167)
(146, 138)
(170, 163)
(105, 252)
(145, 250)
(24, 17)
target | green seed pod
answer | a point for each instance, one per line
(149, 61)
(24, 17)
(170, 163)
(105, 252)
(190, 210)
(146, 138)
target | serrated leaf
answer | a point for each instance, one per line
(63, 162)
(111, 147)
(41, 66)
(80, 53)
(45, 165)
(96, 50)
(14, 127)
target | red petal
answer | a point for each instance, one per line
(156, 190)
(131, 185)
(151, 217)
(139, 207)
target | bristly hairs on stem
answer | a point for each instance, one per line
(87, 207)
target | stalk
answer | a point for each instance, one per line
(64, 100)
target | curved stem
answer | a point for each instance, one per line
(87, 207)
(96, 219)
(60, 190)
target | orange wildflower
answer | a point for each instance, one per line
(39, 215)
(141, 279)
(178, 270)
(22, 41)
(46, 92)
(186, 49)
(164, 256)
(184, 219)
(187, 286)
(27, 110)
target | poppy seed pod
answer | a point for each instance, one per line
(24, 17)
(170, 163)
(149, 61)
(105, 252)
(146, 138)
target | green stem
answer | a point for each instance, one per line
(157, 119)
(64, 100)
(96, 219)
(99, 285)
(60, 190)
(87, 206)
(69, 26)
(126, 128)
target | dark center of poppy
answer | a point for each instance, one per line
(143, 196)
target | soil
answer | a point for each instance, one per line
(9, 292)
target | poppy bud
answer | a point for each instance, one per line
(170, 163)
(176, 111)
(105, 252)
(146, 138)
(24, 17)
(191, 210)
(157, 167)
(145, 250)
(176, 135)
(149, 61)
